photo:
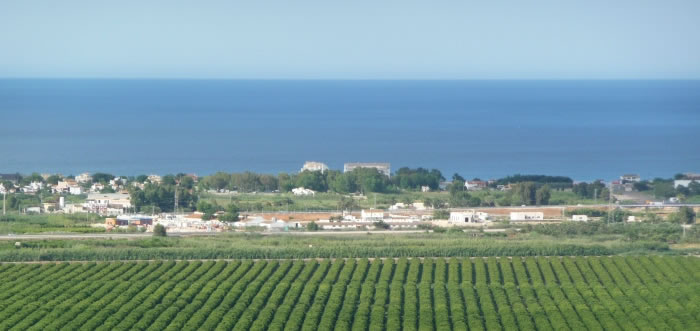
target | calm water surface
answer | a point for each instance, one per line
(583, 129)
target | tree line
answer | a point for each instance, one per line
(360, 180)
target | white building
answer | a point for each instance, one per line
(64, 185)
(182, 223)
(97, 187)
(397, 206)
(33, 187)
(272, 225)
(579, 218)
(684, 182)
(372, 215)
(630, 178)
(108, 203)
(117, 183)
(328, 225)
(466, 217)
(416, 205)
(83, 178)
(138, 220)
(473, 185)
(75, 190)
(72, 208)
(527, 216)
(401, 218)
(405, 225)
(68, 186)
(419, 206)
(314, 166)
(303, 191)
(155, 179)
(384, 168)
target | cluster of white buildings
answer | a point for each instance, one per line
(68, 186)
(116, 184)
(32, 188)
(72, 186)
(96, 202)
(527, 216)
(468, 217)
(108, 203)
(369, 218)
(172, 223)
(273, 224)
(190, 223)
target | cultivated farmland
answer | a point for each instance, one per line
(531, 293)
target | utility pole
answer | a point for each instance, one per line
(4, 197)
(595, 196)
(176, 186)
(610, 206)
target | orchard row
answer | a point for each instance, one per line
(532, 293)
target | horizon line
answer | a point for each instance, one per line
(350, 79)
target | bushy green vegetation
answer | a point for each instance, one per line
(590, 212)
(336, 201)
(412, 179)
(80, 223)
(594, 190)
(543, 293)
(446, 244)
(662, 232)
(159, 231)
(557, 182)
(155, 197)
(662, 188)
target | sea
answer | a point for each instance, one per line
(487, 129)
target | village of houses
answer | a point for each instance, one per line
(118, 210)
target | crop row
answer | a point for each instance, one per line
(543, 293)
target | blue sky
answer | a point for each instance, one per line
(359, 39)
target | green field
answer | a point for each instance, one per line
(49, 223)
(330, 201)
(294, 246)
(318, 202)
(544, 293)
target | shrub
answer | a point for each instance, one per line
(159, 231)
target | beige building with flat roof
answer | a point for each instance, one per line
(314, 166)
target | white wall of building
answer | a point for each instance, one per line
(527, 216)
(683, 182)
(579, 218)
(372, 215)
